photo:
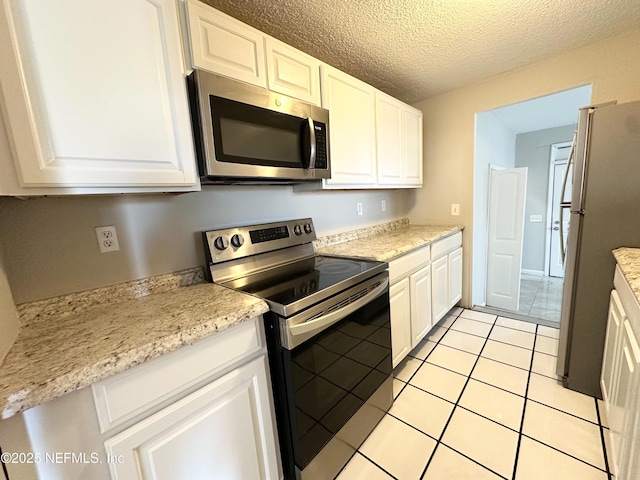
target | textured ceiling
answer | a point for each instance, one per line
(414, 49)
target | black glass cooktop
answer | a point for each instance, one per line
(318, 277)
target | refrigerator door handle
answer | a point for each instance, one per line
(563, 247)
(564, 204)
(570, 161)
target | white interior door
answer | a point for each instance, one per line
(556, 265)
(507, 190)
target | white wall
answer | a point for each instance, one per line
(50, 245)
(495, 144)
(611, 66)
(533, 150)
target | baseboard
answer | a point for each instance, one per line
(537, 273)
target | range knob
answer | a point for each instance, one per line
(237, 240)
(307, 228)
(221, 243)
(297, 230)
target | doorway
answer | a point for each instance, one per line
(530, 134)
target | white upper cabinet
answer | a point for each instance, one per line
(94, 97)
(389, 136)
(399, 142)
(221, 44)
(351, 105)
(291, 72)
(412, 146)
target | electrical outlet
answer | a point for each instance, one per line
(107, 239)
(384, 205)
(359, 208)
(455, 209)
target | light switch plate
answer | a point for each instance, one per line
(455, 209)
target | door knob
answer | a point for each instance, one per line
(557, 222)
(556, 228)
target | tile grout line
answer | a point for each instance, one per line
(424, 360)
(396, 396)
(563, 452)
(524, 407)
(359, 452)
(604, 444)
(446, 425)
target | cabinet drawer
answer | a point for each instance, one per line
(125, 396)
(408, 263)
(446, 245)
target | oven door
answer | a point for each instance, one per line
(331, 377)
(249, 132)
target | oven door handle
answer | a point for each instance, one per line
(319, 324)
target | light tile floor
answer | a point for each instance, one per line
(479, 399)
(541, 297)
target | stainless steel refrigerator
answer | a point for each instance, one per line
(604, 215)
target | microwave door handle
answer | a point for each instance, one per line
(312, 143)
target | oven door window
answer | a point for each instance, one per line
(252, 135)
(334, 373)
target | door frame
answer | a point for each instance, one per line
(555, 147)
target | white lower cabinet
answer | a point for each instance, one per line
(420, 283)
(446, 275)
(204, 411)
(439, 287)
(400, 305)
(620, 380)
(223, 430)
(454, 264)
(410, 299)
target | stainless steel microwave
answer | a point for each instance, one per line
(248, 134)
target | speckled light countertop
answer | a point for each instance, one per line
(386, 245)
(77, 345)
(629, 262)
(69, 342)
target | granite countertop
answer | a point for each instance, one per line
(83, 344)
(385, 246)
(69, 342)
(629, 262)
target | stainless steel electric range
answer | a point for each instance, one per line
(328, 338)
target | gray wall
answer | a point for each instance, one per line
(49, 245)
(495, 144)
(8, 317)
(533, 150)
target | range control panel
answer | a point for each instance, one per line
(234, 243)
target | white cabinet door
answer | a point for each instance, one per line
(454, 260)
(399, 142)
(351, 104)
(610, 359)
(223, 45)
(439, 287)
(389, 137)
(420, 304)
(400, 305)
(94, 93)
(223, 430)
(291, 72)
(412, 145)
(624, 406)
